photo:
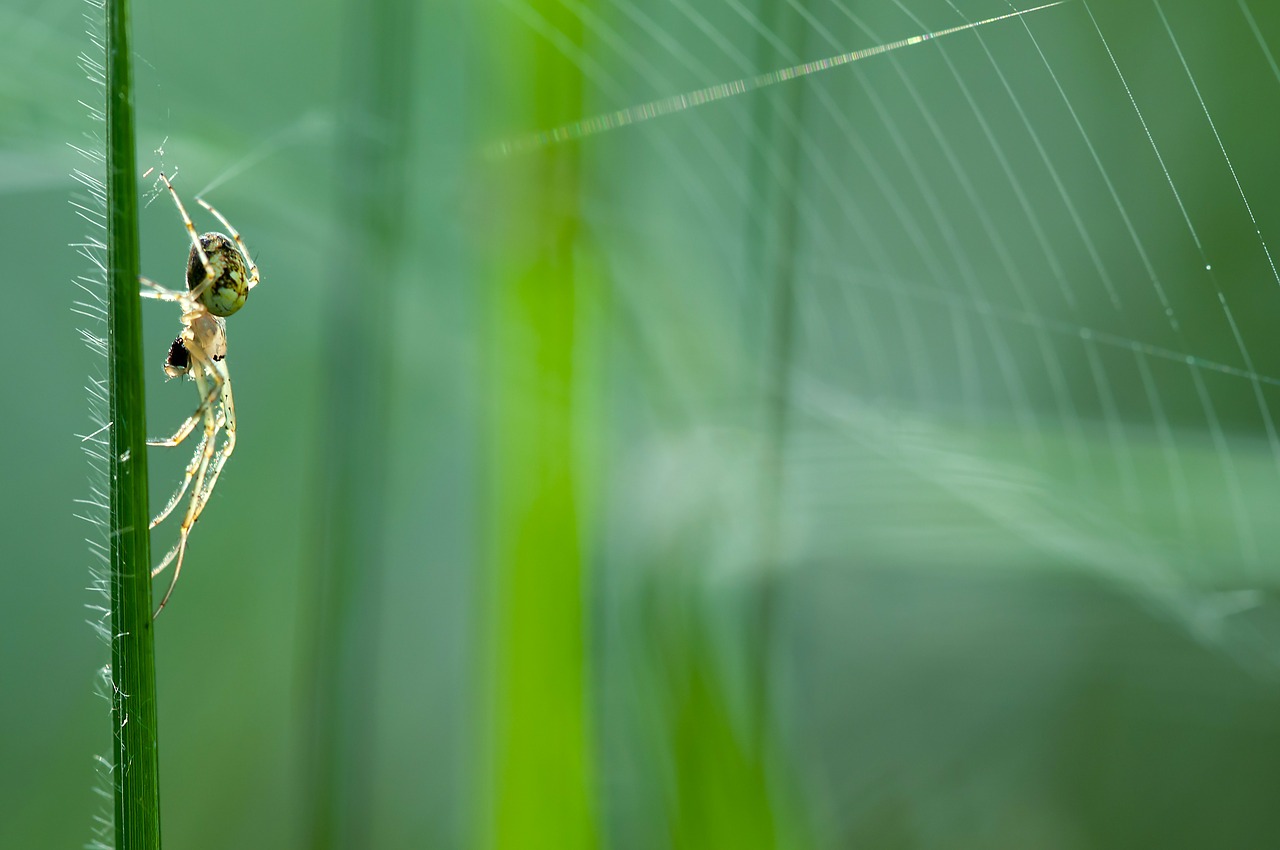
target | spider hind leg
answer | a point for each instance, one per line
(199, 491)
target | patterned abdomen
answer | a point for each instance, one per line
(230, 287)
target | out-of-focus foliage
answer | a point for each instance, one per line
(868, 460)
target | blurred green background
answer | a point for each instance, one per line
(868, 460)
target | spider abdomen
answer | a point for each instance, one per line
(230, 287)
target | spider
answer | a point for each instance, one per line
(220, 275)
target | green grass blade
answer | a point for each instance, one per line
(539, 786)
(349, 508)
(137, 786)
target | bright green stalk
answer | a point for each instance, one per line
(539, 784)
(136, 777)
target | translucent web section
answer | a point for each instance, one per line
(711, 94)
(1257, 33)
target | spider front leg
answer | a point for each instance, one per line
(235, 234)
(198, 290)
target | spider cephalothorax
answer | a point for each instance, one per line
(220, 275)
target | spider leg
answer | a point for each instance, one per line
(158, 292)
(196, 504)
(186, 481)
(186, 220)
(197, 469)
(229, 417)
(164, 563)
(188, 425)
(209, 277)
(180, 492)
(235, 234)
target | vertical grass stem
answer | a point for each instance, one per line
(136, 775)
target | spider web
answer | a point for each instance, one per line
(1002, 297)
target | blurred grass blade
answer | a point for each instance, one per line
(348, 533)
(137, 785)
(539, 789)
(721, 794)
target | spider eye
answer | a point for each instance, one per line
(230, 285)
(179, 360)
